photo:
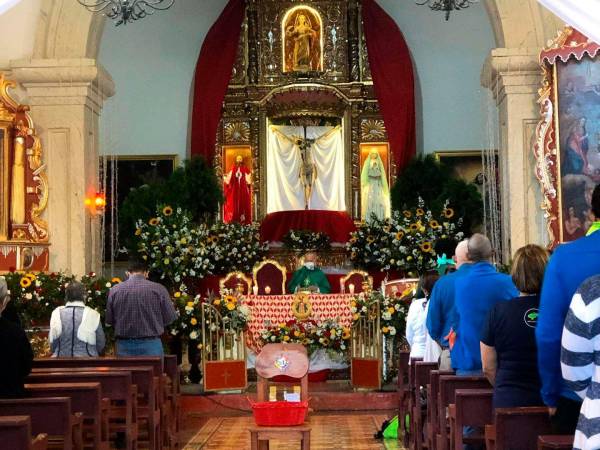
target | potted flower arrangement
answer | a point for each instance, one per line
(233, 308)
(237, 247)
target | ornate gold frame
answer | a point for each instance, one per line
(568, 44)
(260, 265)
(240, 276)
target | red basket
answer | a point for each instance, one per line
(279, 414)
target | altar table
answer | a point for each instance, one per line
(275, 309)
(336, 224)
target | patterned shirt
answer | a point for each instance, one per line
(139, 308)
(580, 360)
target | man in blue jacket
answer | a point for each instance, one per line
(441, 312)
(568, 267)
(476, 293)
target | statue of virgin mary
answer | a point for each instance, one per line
(374, 188)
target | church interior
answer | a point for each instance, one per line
(266, 190)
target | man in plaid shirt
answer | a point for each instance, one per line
(139, 310)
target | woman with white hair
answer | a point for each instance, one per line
(16, 355)
(75, 329)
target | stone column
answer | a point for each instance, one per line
(514, 77)
(66, 98)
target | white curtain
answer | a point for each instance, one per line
(284, 188)
(583, 15)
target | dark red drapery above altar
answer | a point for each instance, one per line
(393, 79)
(336, 224)
(213, 72)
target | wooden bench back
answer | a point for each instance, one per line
(116, 386)
(519, 428)
(423, 372)
(130, 361)
(172, 370)
(474, 407)
(85, 397)
(51, 415)
(450, 383)
(15, 432)
(403, 359)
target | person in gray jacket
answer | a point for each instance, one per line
(75, 329)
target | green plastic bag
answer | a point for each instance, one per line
(391, 431)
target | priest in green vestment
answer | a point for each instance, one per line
(309, 277)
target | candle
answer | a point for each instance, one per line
(356, 204)
(255, 289)
(351, 288)
(267, 290)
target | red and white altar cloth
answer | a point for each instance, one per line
(268, 310)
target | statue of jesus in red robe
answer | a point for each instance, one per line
(237, 193)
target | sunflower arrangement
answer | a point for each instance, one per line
(188, 323)
(405, 242)
(330, 336)
(233, 308)
(303, 240)
(361, 303)
(174, 247)
(236, 247)
(292, 332)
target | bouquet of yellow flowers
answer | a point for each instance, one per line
(188, 323)
(404, 242)
(292, 332)
(331, 336)
(233, 308)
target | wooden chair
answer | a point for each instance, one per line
(272, 274)
(530, 422)
(236, 281)
(355, 278)
(448, 386)
(422, 376)
(558, 441)
(15, 434)
(397, 287)
(116, 386)
(52, 416)
(260, 436)
(147, 401)
(471, 407)
(86, 398)
(433, 389)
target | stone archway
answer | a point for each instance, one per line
(66, 88)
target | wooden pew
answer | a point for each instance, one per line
(116, 386)
(422, 376)
(51, 416)
(446, 395)
(555, 441)
(403, 393)
(172, 411)
(166, 370)
(411, 398)
(86, 398)
(530, 422)
(471, 407)
(15, 434)
(433, 423)
(148, 396)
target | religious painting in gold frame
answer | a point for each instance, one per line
(365, 151)
(568, 134)
(230, 153)
(302, 40)
(465, 164)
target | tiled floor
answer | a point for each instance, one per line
(329, 432)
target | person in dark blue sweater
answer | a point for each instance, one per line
(476, 293)
(441, 312)
(568, 267)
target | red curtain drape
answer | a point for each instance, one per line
(393, 80)
(213, 72)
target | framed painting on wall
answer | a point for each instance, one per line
(567, 147)
(465, 164)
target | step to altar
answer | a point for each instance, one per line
(329, 396)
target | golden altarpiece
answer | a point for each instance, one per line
(301, 64)
(23, 189)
